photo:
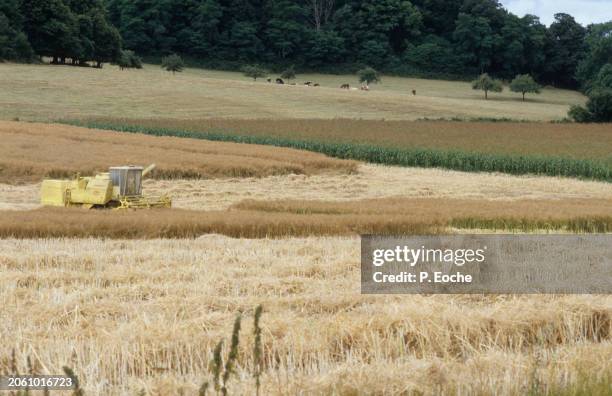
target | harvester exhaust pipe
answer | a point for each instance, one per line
(148, 170)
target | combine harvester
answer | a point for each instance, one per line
(120, 188)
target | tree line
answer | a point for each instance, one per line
(75, 30)
(431, 38)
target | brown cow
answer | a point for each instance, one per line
(414, 92)
(345, 86)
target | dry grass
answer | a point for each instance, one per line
(257, 219)
(132, 315)
(43, 92)
(30, 151)
(369, 182)
(576, 141)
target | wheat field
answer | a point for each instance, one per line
(366, 182)
(132, 315)
(45, 92)
(31, 151)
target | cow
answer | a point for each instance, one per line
(308, 83)
(316, 85)
(414, 92)
(364, 88)
(345, 86)
(279, 81)
(269, 80)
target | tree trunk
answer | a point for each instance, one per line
(523, 96)
(486, 94)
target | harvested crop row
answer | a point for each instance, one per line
(469, 161)
(120, 311)
(254, 219)
(31, 151)
(176, 223)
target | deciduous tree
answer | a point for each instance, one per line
(486, 84)
(525, 84)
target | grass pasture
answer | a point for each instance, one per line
(46, 93)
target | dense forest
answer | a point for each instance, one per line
(438, 38)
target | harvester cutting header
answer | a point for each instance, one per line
(120, 187)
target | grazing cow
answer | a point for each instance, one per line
(364, 88)
(308, 83)
(279, 81)
(269, 80)
(316, 85)
(345, 86)
(414, 92)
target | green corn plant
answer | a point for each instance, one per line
(257, 350)
(233, 354)
(217, 365)
(75, 380)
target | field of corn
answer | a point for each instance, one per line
(566, 161)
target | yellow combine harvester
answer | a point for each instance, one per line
(120, 187)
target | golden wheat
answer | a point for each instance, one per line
(368, 182)
(131, 315)
(30, 151)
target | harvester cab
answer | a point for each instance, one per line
(120, 187)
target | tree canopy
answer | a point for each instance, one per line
(254, 71)
(524, 84)
(487, 84)
(368, 75)
(431, 38)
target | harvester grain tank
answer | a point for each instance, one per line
(120, 187)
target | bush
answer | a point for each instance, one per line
(579, 114)
(598, 108)
(129, 60)
(173, 63)
(254, 71)
(600, 105)
(288, 73)
(368, 75)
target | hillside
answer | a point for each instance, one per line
(44, 92)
